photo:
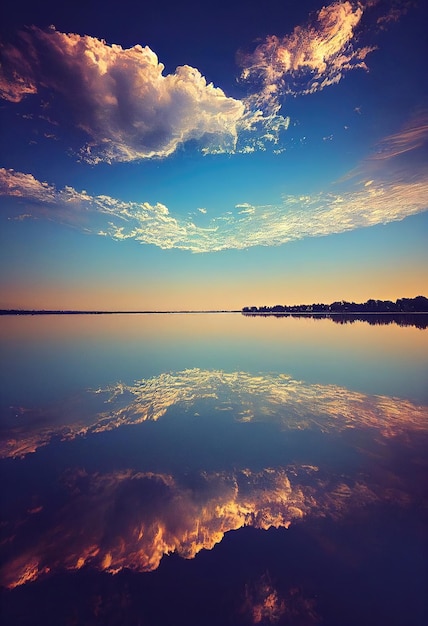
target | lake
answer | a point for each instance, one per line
(213, 469)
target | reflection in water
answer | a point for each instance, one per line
(418, 320)
(125, 518)
(132, 519)
(264, 605)
(273, 398)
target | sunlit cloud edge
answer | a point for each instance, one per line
(245, 226)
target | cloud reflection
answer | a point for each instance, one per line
(272, 398)
(125, 518)
(263, 604)
(128, 519)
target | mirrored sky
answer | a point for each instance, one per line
(187, 157)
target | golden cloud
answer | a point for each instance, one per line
(263, 604)
(129, 519)
(311, 58)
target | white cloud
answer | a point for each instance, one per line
(296, 217)
(121, 97)
(126, 105)
(130, 110)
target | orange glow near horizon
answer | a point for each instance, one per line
(193, 328)
(230, 291)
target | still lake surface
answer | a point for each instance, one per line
(213, 469)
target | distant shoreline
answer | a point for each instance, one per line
(402, 306)
(418, 319)
(330, 313)
(245, 313)
(342, 307)
(60, 312)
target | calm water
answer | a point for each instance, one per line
(218, 470)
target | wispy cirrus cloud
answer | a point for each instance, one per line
(369, 203)
(311, 58)
(397, 158)
(391, 11)
(412, 136)
(120, 97)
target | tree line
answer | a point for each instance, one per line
(401, 305)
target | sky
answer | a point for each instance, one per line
(186, 156)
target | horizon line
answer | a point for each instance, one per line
(245, 310)
(102, 312)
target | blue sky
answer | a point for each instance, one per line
(183, 157)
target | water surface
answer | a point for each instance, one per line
(213, 469)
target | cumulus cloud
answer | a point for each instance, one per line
(311, 58)
(120, 97)
(296, 217)
(130, 110)
(277, 399)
